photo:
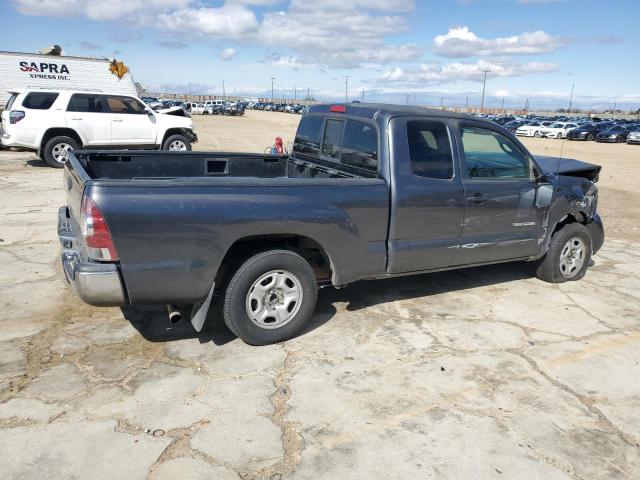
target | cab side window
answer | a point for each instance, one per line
(126, 105)
(489, 154)
(81, 102)
(429, 149)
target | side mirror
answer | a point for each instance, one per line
(544, 195)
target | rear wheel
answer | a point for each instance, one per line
(559, 136)
(590, 137)
(57, 149)
(568, 256)
(537, 134)
(270, 297)
(177, 143)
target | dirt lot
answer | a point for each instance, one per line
(482, 373)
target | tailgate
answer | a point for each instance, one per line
(75, 179)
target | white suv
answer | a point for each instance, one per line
(52, 122)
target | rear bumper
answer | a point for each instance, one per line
(95, 283)
(596, 229)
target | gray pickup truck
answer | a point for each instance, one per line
(368, 192)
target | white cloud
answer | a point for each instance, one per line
(339, 33)
(462, 42)
(228, 21)
(227, 54)
(433, 74)
(97, 10)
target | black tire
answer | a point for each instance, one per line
(537, 134)
(590, 137)
(173, 139)
(52, 147)
(236, 301)
(549, 267)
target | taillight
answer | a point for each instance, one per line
(337, 109)
(15, 116)
(95, 231)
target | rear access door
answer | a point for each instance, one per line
(427, 197)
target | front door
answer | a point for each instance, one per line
(131, 124)
(427, 201)
(501, 221)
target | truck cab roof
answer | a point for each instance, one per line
(373, 110)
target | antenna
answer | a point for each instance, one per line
(564, 137)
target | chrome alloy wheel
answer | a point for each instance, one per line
(60, 151)
(274, 299)
(572, 257)
(178, 146)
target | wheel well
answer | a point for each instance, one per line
(56, 132)
(306, 247)
(574, 217)
(172, 131)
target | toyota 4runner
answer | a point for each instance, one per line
(52, 122)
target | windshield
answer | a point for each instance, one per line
(557, 125)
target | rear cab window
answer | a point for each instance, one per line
(348, 142)
(307, 141)
(39, 100)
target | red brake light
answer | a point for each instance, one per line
(15, 116)
(337, 108)
(95, 231)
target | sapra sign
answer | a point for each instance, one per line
(45, 70)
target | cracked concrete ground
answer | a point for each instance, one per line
(481, 373)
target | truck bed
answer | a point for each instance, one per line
(147, 165)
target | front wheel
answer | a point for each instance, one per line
(568, 256)
(177, 143)
(590, 137)
(270, 297)
(537, 134)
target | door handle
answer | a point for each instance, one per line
(76, 118)
(476, 198)
(117, 119)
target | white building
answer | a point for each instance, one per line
(22, 70)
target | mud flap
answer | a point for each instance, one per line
(200, 310)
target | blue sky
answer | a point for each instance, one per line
(396, 50)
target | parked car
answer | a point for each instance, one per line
(532, 129)
(233, 109)
(615, 134)
(557, 130)
(53, 122)
(265, 231)
(513, 125)
(634, 136)
(585, 132)
(194, 108)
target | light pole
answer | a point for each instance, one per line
(571, 97)
(272, 80)
(362, 98)
(224, 93)
(484, 84)
(346, 88)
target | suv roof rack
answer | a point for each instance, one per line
(38, 87)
